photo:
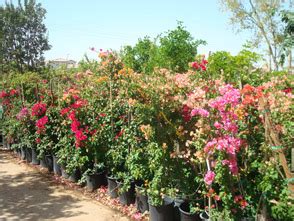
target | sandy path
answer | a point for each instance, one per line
(26, 195)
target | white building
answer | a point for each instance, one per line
(60, 62)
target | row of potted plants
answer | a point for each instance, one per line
(191, 146)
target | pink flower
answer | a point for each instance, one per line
(217, 125)
(199, 111)
(209, 177)
(24, 113)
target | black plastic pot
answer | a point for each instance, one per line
(18, 151)
(164, 212)
(96, 180)
(75, 176)
(49, 162)
(177, 202)
(127, 197)
(28, 155)
(23, 153)
(112, 187)
(141, 199)
(43, 162)
(35, 159)
(187, 216)
(63, 172)
(56, 166)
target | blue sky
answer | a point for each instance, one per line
(76, 25)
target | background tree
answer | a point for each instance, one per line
(174, 51)
(288, 43)
(237, 69)
(262, 17)
(24, 37)
(139, 57)
(178, 48)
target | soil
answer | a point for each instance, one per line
(26, 194)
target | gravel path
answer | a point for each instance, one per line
(25, 194)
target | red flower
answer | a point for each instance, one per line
(42, 122)
(75, 125)
(186, 113)
(78, 104)
(287, 90)
(102, 115)
(38, 140)
(119, 134)
(3, 94)
(39, 109)
(80, 135)
(64, 111)
(13, 92)
(195, 65)
(72, 116)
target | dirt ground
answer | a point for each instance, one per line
(25, 194)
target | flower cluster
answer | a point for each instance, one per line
(199, 65)
(39, 109)
(226, 127)
(23, 114)
(41, 123)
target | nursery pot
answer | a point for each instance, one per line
(35, 159)
(63, 172)
(75, 175)
(28, 155)
(18, 151)
(164, 212)
(127, 197)
(49, 162)
(23, 153)
(187, 216)
(141, 199)
(96, 180)
(177, 202)
(56, 166)
(112, 187)
(43, 162)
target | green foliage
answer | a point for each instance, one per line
(178, 48)
(25, 36)
(139, 57)
(175, 49)
(237, 69)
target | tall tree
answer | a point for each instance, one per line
(23, 36)
(178, 48)
(262, 17)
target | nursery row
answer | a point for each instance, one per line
(219, 149)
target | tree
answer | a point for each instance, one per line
(288, 43)
(173, 51)
(178, 48)
(23, 36)
(262, 17)
(237, 69)
(139, 57)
